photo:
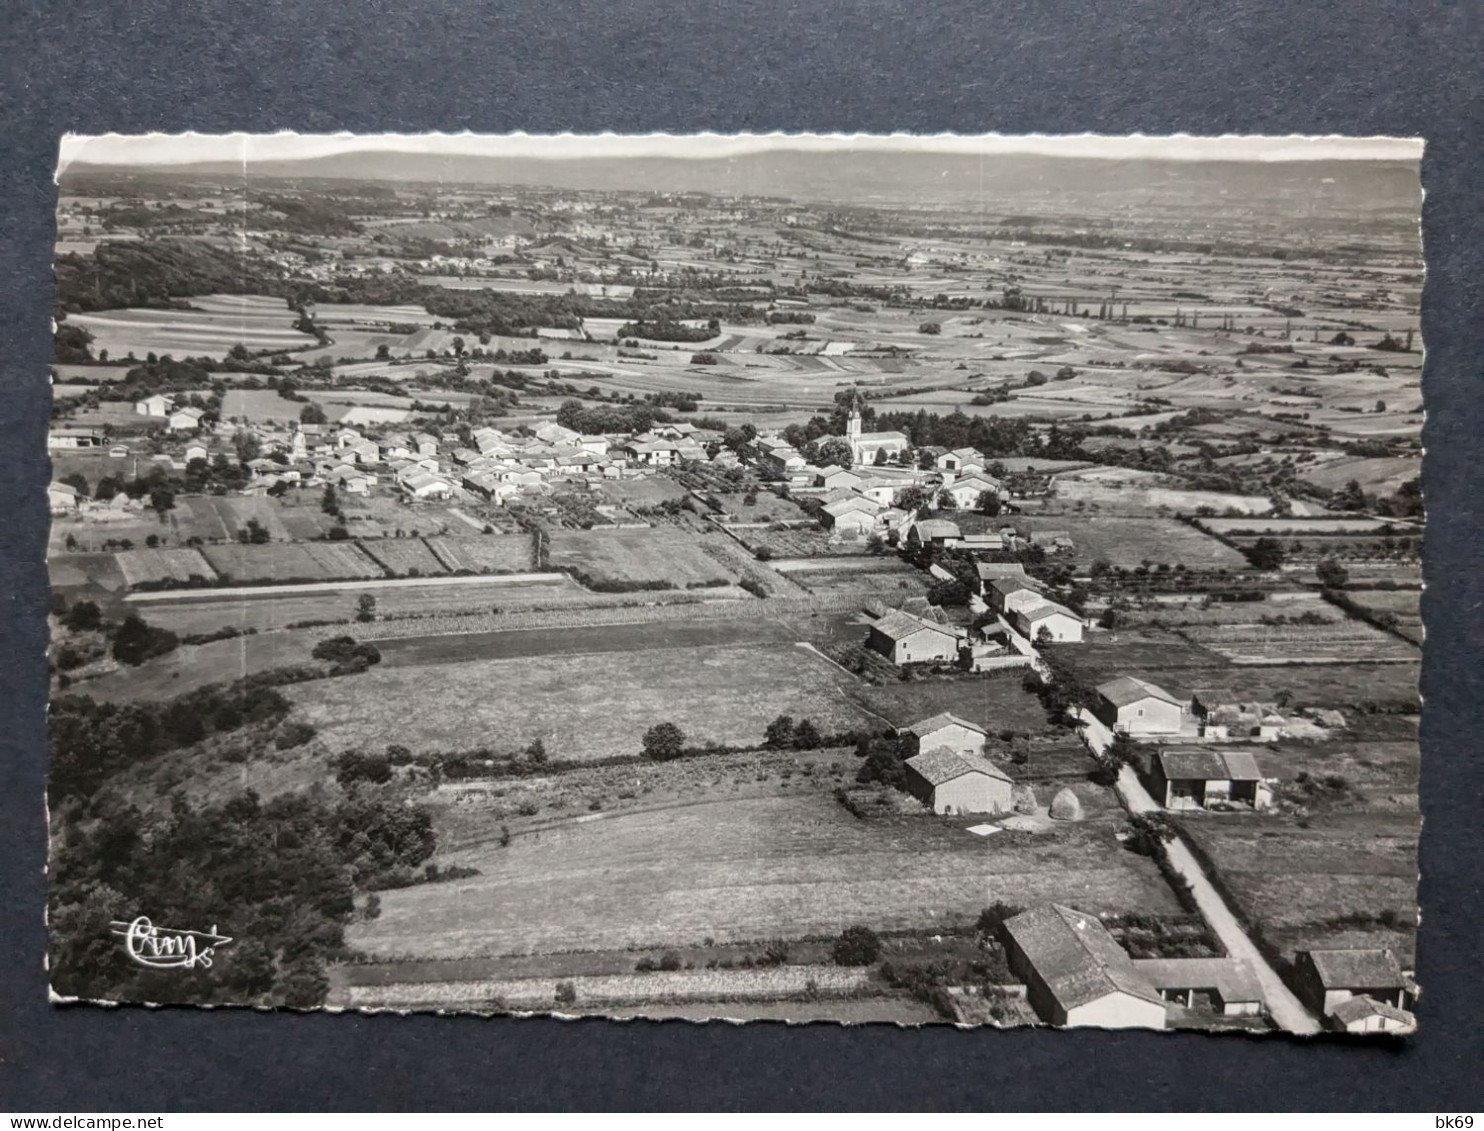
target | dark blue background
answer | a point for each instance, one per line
(1358, 68)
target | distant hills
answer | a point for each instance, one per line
(868, 177)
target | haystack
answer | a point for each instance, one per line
(1066, 807)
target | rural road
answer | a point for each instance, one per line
(1286, 1009)
(214, 593)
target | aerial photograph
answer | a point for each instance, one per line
(900, 579)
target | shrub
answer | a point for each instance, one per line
(566, 993)
(663, 742)
(293, 734)
(856, 946)
(353, 766)
(346, 654)
(137, 641)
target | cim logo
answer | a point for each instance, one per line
(168, 948)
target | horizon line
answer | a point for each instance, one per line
(187, 149)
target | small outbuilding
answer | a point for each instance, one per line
(959, 783)
(1228, 986)
(1367, 1015)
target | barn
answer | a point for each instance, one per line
(1228, 986)
(959, 783)
(1326, 978)
(945, 730)
(1196, 777)
(1075, 972)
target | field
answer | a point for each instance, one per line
(490, 553)
(144, 566)
(213, 325)
(1129, 542)
(1327, 885)
(285, 562)
(994, 703)
(404, 557)
(748, 869)
(1403, 604)
(581, 706)
(1339, 643)
(642, 558)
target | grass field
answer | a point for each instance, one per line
(659, 554)
(581, 706)
(996, 704)
(211, 328)
(144, 566)
(1129, 542)
(299, 561)
(737, 870)
(1323, 886)
(404, 557)
(490, 553)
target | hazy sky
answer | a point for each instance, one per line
(169, 149)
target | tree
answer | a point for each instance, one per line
(162, 500)
(1350, 498)
(1266, 554)
(856, 946)
(663, 742)
(137, 641)
(365, 608)
(930, 328)
(780, 733)
(329, 501)
(312, 414)
(836, 450)
(988, 503)
(85, 616)
(383, 352)
(536, 752)
(806, 735)
(912, 498)
(1331, 574)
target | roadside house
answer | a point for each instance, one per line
(1075, 972)
(1196, 777)
(1046, 620)
(1136, 707)
(1326, 978)
(1367, 1015)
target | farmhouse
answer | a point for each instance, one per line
(934, 531)
(196, 451)
(1011, 592)
(1075, 973)
(833, 477)
(1136, 707)
(1228, 986)
(425, 485)
(1197, 777)
(994, 571)
(960, 461)
(906, 639)
(945, 731)
(550, 433)
(186, 419)
(1326, 978)
(965, 492)
(950, 783)
(156, 404)
(853, 516)
(71, 438)
(61, 498)
(1046, 620)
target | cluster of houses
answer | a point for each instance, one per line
(1076, 974)
(176, 417)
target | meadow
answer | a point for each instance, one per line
(650, 558)
(738, 870)
(213, 325)
(581, 706)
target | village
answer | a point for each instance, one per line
(943, 665)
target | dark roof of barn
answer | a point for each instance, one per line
(1206, 763)
(1076, 957)
(1372, 968)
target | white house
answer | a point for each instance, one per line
(959, 783)
(906, 639)
(1136, 707)
(1046, 620)
(156, 404)
(185, 419)
(947, 731)
(61, 497)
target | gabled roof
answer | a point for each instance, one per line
(1374, 968)
(1208, 764)
(936, 528)
(1128, 689)
(898, 625)
(924, 727)
(941, 765)
(1043, 609)
(989, 571)
(1233, 978)
(1006, 584)
(1362, 1006)
(1076, 957)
